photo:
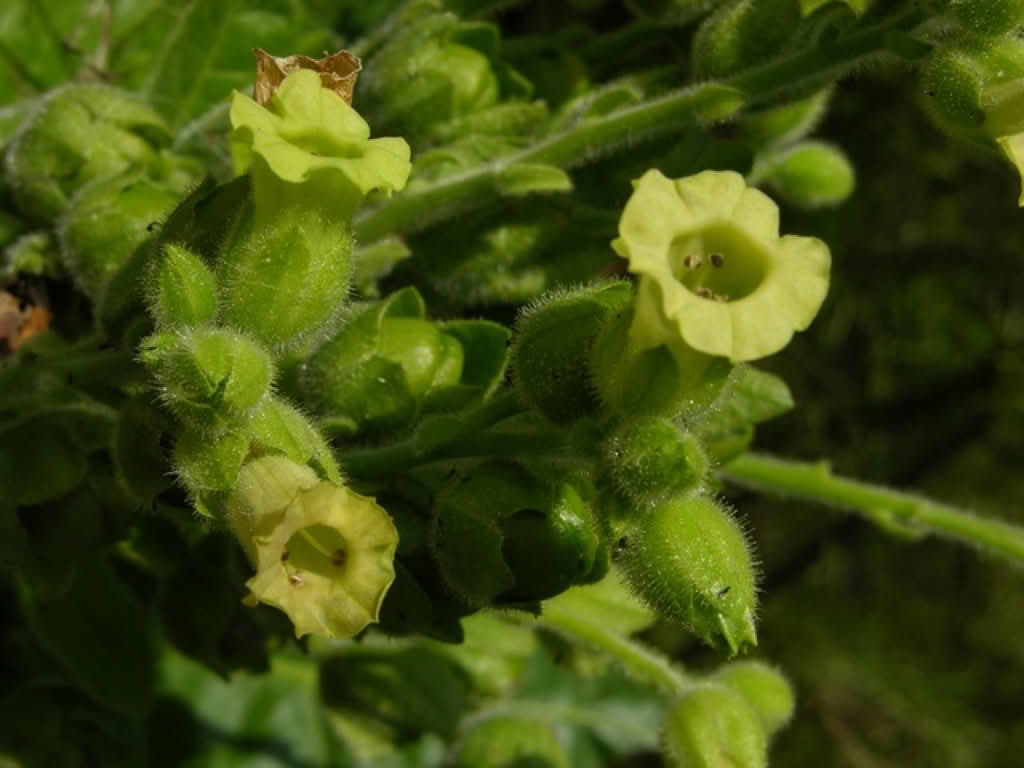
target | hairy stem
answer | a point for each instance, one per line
(714, 100)
(641, 662)
(902, 513)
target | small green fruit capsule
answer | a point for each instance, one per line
(182, 291)
(553, 349)
(77, 134)
(511, 742)
(811, 174)
(689, 560)
(988, 18)
(713, 726)
(650, 460)
(285, 280)
(765, 688)
(741, 34)
(104, 224)
(210, 377)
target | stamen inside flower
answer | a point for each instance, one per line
(720, 263)
(319, 549)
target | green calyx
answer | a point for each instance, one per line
(713, 726)
(307, 135)
(765, 688)
(509, 742)
(554, 346)
(689, 559)
(650, 460)
(323, 554)
(181, 290)
(209, 378)
(715, 277)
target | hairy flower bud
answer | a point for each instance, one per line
(764, 687)
(688, 558)
(182, 291)
(713, 726)
(75, 135)
(208, 377)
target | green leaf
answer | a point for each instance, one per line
(530, 178)
(608, 602)
(415, 690)
(102, 634)
(273, 720)
(485, 349)
(376, 261)
(185, 57)
(39, 464)
(44, 43)
(755, 396)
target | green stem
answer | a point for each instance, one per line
(429, 202)
(640, 661)
(904, 513)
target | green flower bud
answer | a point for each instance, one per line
(76, 134)
(105, 223)
(285, 279)
(182, 291)
(323, 554)
(376, 373)
(650, 460)
(422, 79)
(988, 18)
(740, 34)
(511, 742)
(501, 534)
(210, 377)
(553, 348)
(690, 561)
(205, 465)
(765, 688)
(809, 175)
(713, 726)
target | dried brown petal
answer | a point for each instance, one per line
(338, 72)
(20, 321)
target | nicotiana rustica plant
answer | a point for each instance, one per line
(399, 413)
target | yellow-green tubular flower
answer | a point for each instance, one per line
(715, 277)
(308, 135)
(323, 554)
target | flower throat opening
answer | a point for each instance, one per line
(718, 263)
